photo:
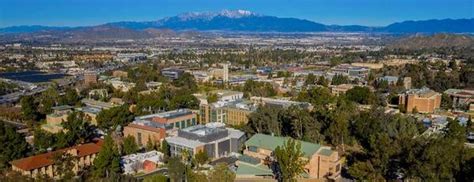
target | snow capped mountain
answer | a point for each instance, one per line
(208, 15)
(247, 21)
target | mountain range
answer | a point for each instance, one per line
(246, 21)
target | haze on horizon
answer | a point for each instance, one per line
(341, 12)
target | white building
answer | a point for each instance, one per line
(134, 163)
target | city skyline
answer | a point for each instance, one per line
(341, 12)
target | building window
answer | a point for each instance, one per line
(139, 138)
(253, 149)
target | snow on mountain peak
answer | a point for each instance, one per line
(210, 15)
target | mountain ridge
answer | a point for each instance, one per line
(247, 21)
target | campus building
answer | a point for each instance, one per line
(171, 120)
(461, 97)
(213, 138)
(172, 73)
(323, 162)
(143, 131)
(43, 164)
(280, 103)
(424, 100)
(90, 78)
(54, 120)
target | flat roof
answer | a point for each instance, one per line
(167, 115)
(272, 142)
(184, 142)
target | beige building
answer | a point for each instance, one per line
(341, 89)
(424, 100)
(237, 116)
(323, 162)
(54, 120)
(90, 78)
(142, 132)
(120, 73)
(407, 83)
(43, 164)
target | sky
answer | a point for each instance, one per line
(341, 12)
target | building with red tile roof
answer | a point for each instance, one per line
(43, 164)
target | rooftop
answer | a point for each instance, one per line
(62, 107)
(166, 115)
(98, 104)
(272, 142)
(46, 159)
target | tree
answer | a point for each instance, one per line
(363, 171)
(129, 145)
(28, 108)
(64, 163)
(317, 96)
(12, 145)
(212, 97)
(322, 81)
(176, 169)
(414, 110)
(165, 149)
(42, 140)
(361, 95)
(186, 82)
(339, 79)
(446, 101)
(48, 99)
(111, 118)
(290, 160)
(310, 79)
(150, 144)
(201, 158)
(107, 162)
(156, 178)
(184, 100)
(265, 120)
(259, 89)
(193, 176)
(221, 173)
(70, 97)
(78, 129)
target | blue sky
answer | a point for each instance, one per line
(343, 12)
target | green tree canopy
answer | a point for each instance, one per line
(12, 145)
(107, 162)
(290, 160)
(129, 145)
(221, 173)
(110, 118)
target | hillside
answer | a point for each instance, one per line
(435, 41)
